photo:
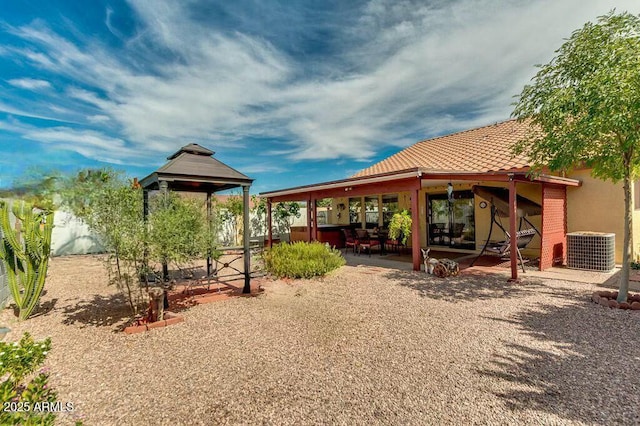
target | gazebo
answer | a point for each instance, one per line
(193, 169)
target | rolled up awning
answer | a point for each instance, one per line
(499, 197)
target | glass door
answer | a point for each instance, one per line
(452, 223)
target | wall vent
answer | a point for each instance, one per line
(591, 251)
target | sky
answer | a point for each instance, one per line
(287, 92)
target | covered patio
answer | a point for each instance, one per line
(434, 180)
(415, 185)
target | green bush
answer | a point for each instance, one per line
(26, 398)
(302, 260)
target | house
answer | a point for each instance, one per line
(419, 179)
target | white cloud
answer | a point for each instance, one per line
(29, 83)
(98, 118)
(405, 69)
(88, 143)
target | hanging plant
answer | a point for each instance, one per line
(400, 226)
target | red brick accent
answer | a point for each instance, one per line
(554, 226)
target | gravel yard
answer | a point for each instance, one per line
(366, 345)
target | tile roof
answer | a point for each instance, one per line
(484, 149)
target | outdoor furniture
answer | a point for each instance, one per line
(436, 231)
(350, 239)
(456, 233)
(382, 236)
(365, 241)
(394, 245)
(503, 248)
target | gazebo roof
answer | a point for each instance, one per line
(192, 168)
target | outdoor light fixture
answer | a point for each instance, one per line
(450, 192)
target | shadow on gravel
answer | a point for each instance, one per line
(592, 374)
(100, 311)
(466, 287)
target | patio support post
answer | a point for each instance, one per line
(513, 212)
(314, 206)
(309, 219)
(245, 236)
(415, 228)
(210, 232)
(269, 224)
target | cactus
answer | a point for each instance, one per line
(25, 251)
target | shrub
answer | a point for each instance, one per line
(25, 398)
(302, 260)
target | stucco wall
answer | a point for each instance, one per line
(597, 206)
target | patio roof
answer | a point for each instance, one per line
(480, 150)
(482, 154)
(193, 168)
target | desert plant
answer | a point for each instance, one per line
(26, 398)
(302, 260)
(25, 252)
(178, 230)
(230, 214)
(113, 209)
(584, 109)
(400, 226)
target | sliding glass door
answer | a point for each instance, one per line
(452, 222)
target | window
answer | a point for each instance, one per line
(389, 208)
(355, 205)
(371, 212)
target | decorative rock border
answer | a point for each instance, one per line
(169, 319)
(608, 299)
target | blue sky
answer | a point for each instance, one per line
(288, 92)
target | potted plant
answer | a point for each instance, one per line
(400, 227)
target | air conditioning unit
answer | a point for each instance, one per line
(591, 251)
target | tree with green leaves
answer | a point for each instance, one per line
(178, 231)
(584, 109)
(230, 214)
(112, 208)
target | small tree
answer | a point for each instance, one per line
(112, 208)
(178, 230)
(284, 214)
(584, 107)
(258, 216)
(230, 214)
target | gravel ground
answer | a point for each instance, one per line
(366, 345)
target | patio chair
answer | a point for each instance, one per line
(350, 240)
(365, 241)
(436, 232)
(456, 233)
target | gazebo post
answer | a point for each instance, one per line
(209, 214)
(246, 236)
(164, 189)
